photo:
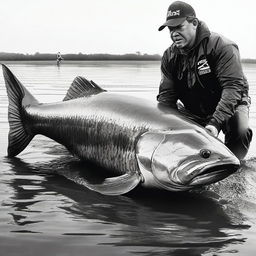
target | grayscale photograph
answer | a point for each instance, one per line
(127, 127)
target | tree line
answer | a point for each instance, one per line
(80, 56)
(4, 56)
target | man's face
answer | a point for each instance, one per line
(183, 35)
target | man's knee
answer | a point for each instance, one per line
(238, 135)
(239, 143)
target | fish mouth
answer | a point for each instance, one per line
(194, 173)
(213, 174)
(198, 173)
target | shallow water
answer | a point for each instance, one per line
(45, 214)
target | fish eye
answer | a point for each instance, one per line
(205, 153)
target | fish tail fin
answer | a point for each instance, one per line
(19, 97)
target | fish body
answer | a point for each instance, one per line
(136, 139)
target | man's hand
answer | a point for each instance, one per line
(212, 129)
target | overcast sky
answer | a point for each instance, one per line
(114, 26)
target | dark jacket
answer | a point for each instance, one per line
(208, 79)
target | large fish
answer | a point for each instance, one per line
(134, 138)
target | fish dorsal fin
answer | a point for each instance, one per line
(81, 87)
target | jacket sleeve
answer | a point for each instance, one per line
(232, 81)
(167, 93)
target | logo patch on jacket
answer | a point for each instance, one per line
(203, 67)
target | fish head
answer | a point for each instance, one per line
(180, 160)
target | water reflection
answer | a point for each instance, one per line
(170, 223)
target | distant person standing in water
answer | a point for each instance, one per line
(59, 58)
(203, 71)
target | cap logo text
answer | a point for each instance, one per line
(173, 13)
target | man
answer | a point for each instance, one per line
(59, 58)
(203, 71)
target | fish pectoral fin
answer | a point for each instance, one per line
(81, 87)
(109, 186)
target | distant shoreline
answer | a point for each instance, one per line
(88, 57)
(76, 57)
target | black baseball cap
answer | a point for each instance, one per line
(177, 13)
